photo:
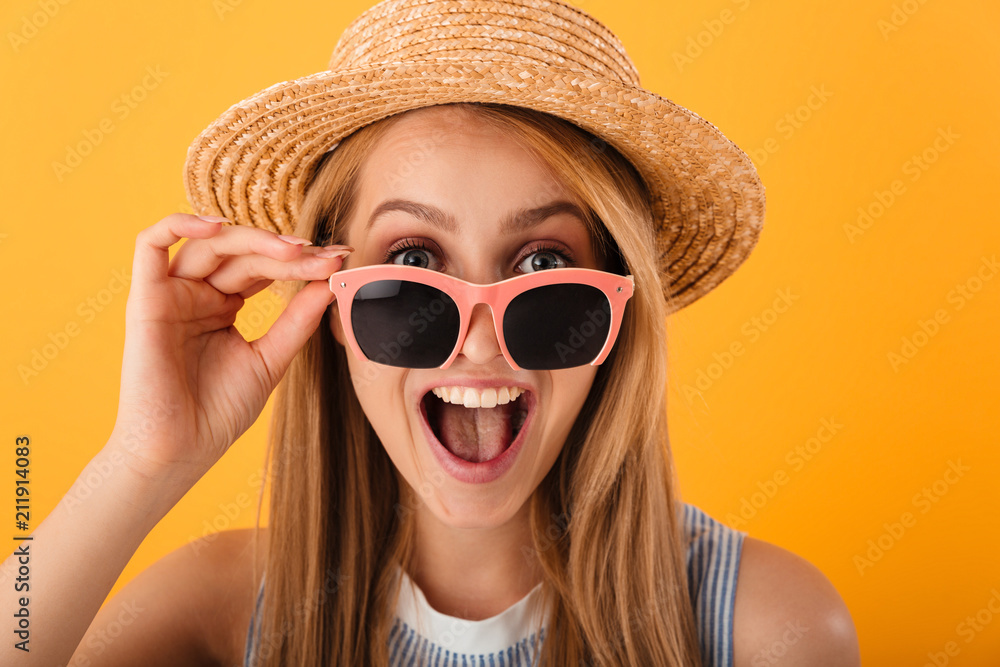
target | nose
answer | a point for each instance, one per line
(481, 345)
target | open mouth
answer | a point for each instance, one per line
(475, 434)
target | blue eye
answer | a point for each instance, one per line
(540, 257)
(412, 252)
(543, 258)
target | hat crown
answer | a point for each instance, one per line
(527, 32)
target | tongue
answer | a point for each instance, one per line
(476, 434)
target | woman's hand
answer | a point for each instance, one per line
(191, 384)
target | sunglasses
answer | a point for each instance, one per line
(411, 317)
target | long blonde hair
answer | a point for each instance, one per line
(604, 520)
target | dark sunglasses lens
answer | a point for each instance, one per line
(405, 324)
(557, 326)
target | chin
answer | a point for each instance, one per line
(476, 508)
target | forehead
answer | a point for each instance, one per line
(448, 153)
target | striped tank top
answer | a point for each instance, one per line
(423, 637)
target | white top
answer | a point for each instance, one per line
(436, 633)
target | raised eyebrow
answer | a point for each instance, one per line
(526, 218)
(516, 221)
(429, 214)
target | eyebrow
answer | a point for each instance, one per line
(514, 222)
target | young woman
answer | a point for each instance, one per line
(468, 456)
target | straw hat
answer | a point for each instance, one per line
(252, 164)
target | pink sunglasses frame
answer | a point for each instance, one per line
(617, 288)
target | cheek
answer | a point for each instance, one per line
(573, 386)
(569, 392)
(380, 392)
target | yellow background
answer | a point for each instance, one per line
(868, 86)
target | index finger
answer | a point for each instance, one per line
(151, 260)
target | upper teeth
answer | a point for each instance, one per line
(472, 398)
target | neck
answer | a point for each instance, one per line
(474, 573)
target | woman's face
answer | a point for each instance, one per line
(473, 176)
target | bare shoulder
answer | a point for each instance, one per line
(233, 588)
(787, 612)
(191, 607)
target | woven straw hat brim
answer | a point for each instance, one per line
(252, 164)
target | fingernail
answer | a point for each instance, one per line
(294, 240)
(213, 218)
(331, 251)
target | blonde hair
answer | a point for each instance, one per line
(604, 520)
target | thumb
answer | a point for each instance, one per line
(292, 329)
